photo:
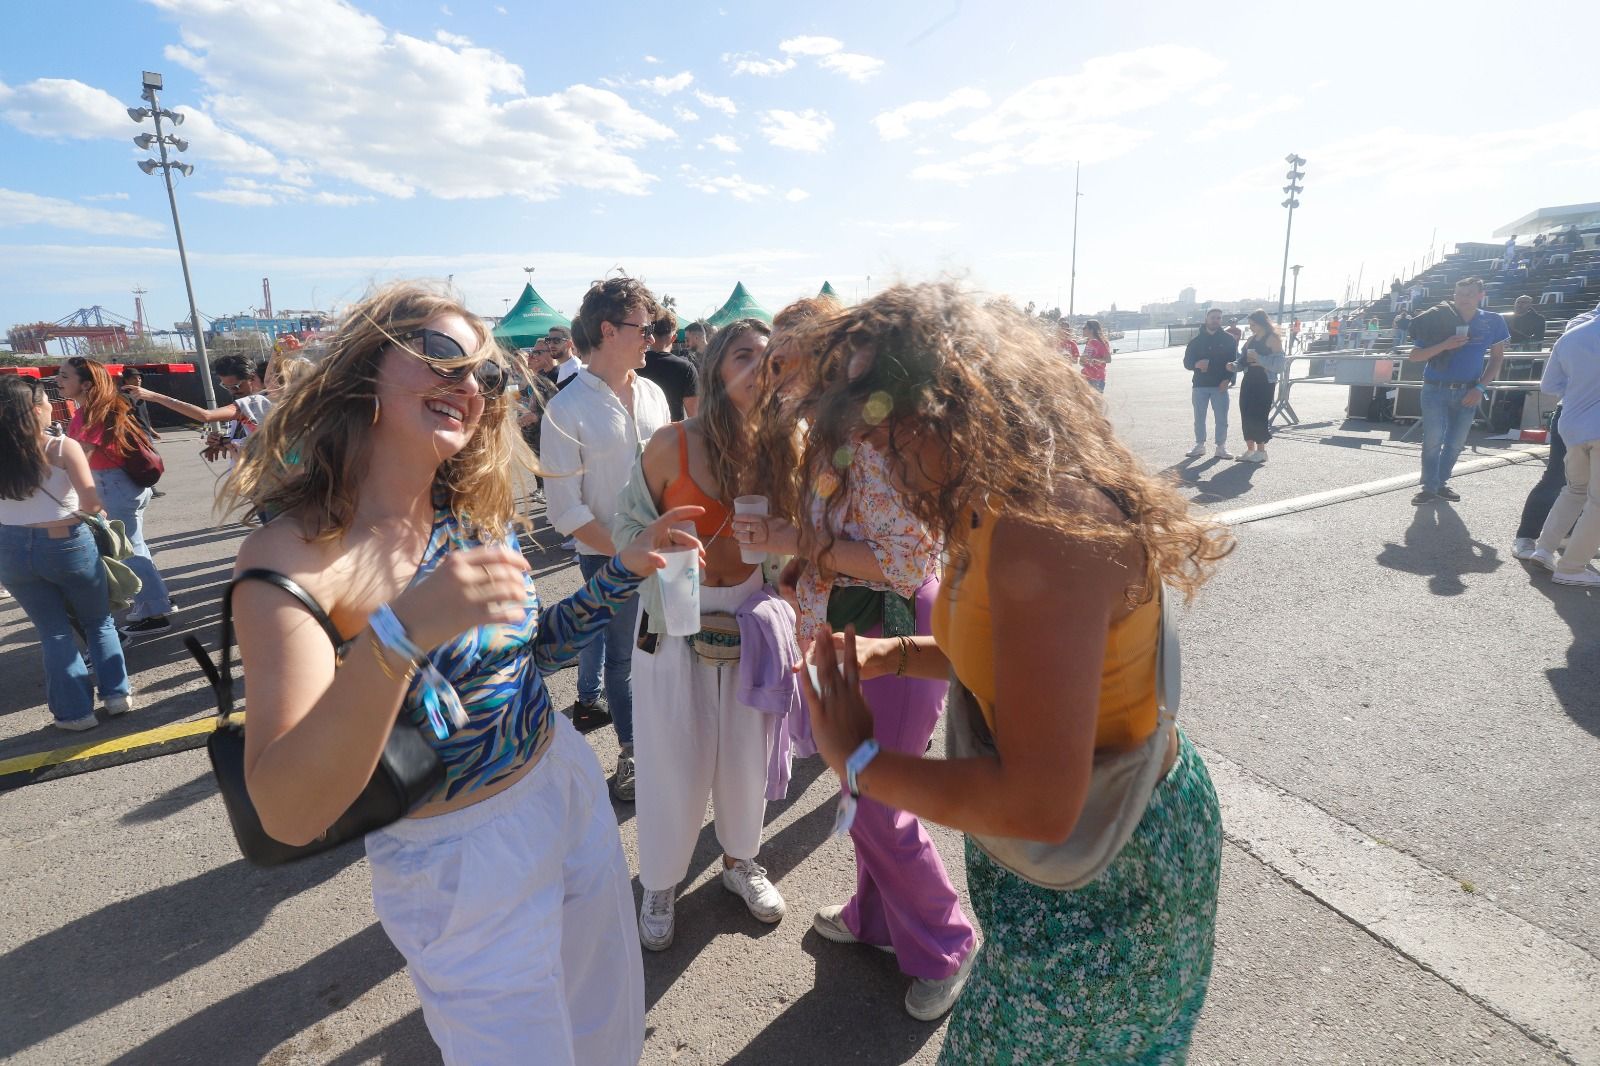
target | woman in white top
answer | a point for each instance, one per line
(48, 558)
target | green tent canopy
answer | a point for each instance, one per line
(740, 305)
(527, 322)
(828, 290)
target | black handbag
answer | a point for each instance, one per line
(408, 772)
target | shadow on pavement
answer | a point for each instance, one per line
(129, 947)
(401, 1043)
(174, 800)
(1576, 685)
(1439, 547)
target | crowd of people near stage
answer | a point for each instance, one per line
(880, 509)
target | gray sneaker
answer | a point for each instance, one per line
(930, 1000)
(622, 780)
(1523, 548)
(828, 923)
(657, 918)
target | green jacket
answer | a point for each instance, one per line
(637, 509)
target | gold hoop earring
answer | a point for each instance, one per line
(376, 408)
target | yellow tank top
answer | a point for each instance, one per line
(964, 630)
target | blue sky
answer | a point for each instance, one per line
(340, 143)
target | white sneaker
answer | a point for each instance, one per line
(928, 1001)
(657, 913)
(76, 725)
(1223, 452)
(747, 879)
(1261, 455)
(1543, 558)
(1585, 578)
(830, 925)
(116, 705)
(1196, 452)
(1523, 548)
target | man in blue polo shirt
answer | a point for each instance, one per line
(1452, 383)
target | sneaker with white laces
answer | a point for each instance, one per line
(928, 1001)
(747, 879)
(1197, 451)
(1543, 558)
(76, 725)
(1523, 548)
(1261, 455)
(657, 915)
(116, 705)
(1223, 452)
(828, 922)
(1584, 578)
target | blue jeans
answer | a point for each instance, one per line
(612, 649)
(1446, 421)
(1217, 400)
(126, 501)
(50, 577)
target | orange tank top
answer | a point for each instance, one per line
(683, 491)
(963, 628)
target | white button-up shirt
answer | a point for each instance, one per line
(588, 446)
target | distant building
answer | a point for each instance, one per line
(274, 327)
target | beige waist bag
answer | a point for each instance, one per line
(1119, 787)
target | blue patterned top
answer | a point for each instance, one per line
(498, 670)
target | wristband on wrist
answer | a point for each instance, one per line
(905, 650)
(858, 762)
(391, 633)
(438, 697)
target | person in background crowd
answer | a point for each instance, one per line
(863, 558)
(1509, 256)
(506, 890)
(104, 425)
(535, 386)
(695, 339)
(132, 378)
(1573, 373)
(242, 418)
(1050, 620)
(48, 558)
(1333, 334)
(676, 376)
(1210, 354)
(1526, 326)
(1096, 354)
(1402, 323)
(1069, 344)
(563, 352)
(1372, 331)
(1452, 385)
(1263, 361)
(696, 739)
(593, 432)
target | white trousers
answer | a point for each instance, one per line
(694, 740)
(515, 917)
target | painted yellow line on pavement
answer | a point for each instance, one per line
(117, 745)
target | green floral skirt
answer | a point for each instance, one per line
(1112, 973)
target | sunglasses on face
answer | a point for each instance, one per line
(434, 345)
(645, 329)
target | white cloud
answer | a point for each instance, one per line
(733, 185)
(927, 225)
(345, 104)
(651, 59)
(803, 131)
(29, 209)
(1067, 118)
(853, 65)
(893, 125)
(665, 86)
(794, 196)
(499, 9)
(60, 107)
(107, 196)
(716, 103)
(1246, 120)
(723, 143)
(811, 46)
(246, 192)
(747, 63)
(683, 114)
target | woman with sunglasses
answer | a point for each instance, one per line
(48, 558)
(1049, 619)
(105, 427)
(506, 891)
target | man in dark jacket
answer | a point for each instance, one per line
(1211, 356)
(1526, 326)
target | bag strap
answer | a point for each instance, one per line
(220, 674)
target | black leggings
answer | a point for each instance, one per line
(1542, 496)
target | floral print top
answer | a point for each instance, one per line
(876, 514)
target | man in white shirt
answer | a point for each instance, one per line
(241, 418)
(558, 343)
(594, 430)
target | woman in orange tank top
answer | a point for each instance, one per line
(694, 739)
(1056, 540)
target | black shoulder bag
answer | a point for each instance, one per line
(407, 773)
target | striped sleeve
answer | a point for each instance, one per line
(565, 627)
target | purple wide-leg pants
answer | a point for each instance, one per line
(903, 895)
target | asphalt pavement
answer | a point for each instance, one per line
(1388, 697)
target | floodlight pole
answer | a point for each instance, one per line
(1072, 289)
(1293, 189)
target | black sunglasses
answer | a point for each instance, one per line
(490, 375)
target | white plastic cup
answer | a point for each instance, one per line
(680, 588)
(751, 505)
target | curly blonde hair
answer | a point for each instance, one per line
(987, 382)
(311, 454)
(776, 444)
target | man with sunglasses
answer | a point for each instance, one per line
(594, 431)
(242, 417)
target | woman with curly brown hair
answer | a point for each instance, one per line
(105, 427)
(865, 559)
(1048, 624)
(506, 890)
